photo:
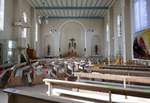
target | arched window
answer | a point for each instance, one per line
(36, 32)
(48, 49)
(2, 14)
(25, 17)
(24, 32)
(96, 49)
(141, 13)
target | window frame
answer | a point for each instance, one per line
(2, 13)
(139, 8)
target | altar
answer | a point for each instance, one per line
(71, 54)
(72, 46)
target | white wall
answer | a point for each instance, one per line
(117, 9)
(15, 8)
(13, 12)
(21, 6)
(8, 20)
(113, 12)
(84, 25)
(33, 42)
(75, 31)
(111, 34)
(128, 34)
(7, 33)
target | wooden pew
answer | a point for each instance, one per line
(122, 72)
(20, 96)
(17, 79)
(130, 65)
(6, 74)
(125, 68)
(122, 78)
(95, 87)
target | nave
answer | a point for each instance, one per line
(78, 79)
(74, 51)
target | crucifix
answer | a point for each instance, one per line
(72, 41)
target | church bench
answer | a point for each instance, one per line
(20, 75)
(83, 98)
(95, 87)
(80, 96)
(122, 72)
(129, 65)
(6, 74)
(121, 78)
(125, 68)
(100, 82)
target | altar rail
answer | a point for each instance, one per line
(95, 87)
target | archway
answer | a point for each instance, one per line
(72, 30)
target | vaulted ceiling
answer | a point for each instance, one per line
(92, 9)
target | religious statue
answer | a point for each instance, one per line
(48, 50)
(69, 45)
(74, 45)
(96, 49)
(72, 41)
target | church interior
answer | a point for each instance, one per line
(74, 51)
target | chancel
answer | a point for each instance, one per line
(72, 48)
(74, 51)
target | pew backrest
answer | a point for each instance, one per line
(96, 87)
(123, 78)
(122, 72)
